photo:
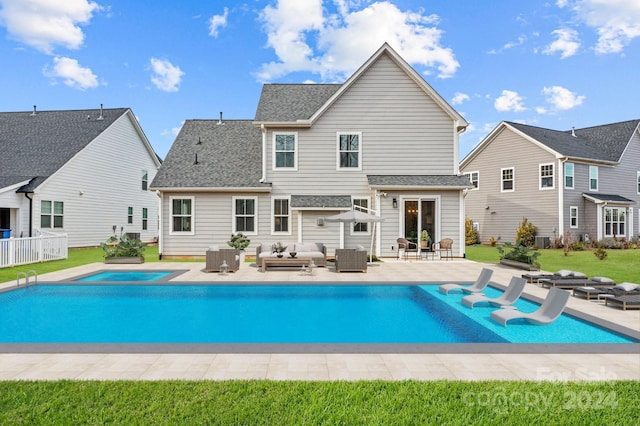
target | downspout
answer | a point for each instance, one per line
(264, 154)
(26, 194)
(561, 198)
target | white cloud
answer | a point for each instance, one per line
(73, 74)
(562, 98)
(166, 76)
(459, 98)
(173, 131)
(509, 101)
(334, 45)
(617, 22)
(567, 43)
(44, 24)
(519, 42)
(541, 110)
(218, 21)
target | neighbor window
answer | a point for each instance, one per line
(546, 176)
(145, 180)
(638, 183)
(507, 179)
(284, 151)
(281, 215)
(473, 177)
(614, 221)
(573, 217)
(593, 178)
(244, 214)
(129, 214)
(145, 215)
(51, 218)
(349, 151)
(568, 175)
(361, 204)
(182, 215)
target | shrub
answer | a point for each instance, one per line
(577, 246)
(519, 253)
(122, 247)
(471, 235)
(613, 243)
(526, 233)
(239, 241)
(492, 241)
(600, 253)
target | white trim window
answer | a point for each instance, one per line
(507, 179)
(546, 176)
(182, 215)
(569, 175)
(285, 152)
(615, 221)
(145, 218)
(474, 177)
(361, 204)
(51, 218)
(245, 214)
(349, 151)
(281, 216)
(593, 178)
(638, 182)
(145, 180)
(129, 215)
(573, 217)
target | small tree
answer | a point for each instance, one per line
(471, 235)
(526, 233)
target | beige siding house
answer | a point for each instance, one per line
(584, 181)
(383, 140)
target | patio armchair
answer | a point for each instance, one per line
(407, 247)
(215, 258)
(444, 247)
(351, 260)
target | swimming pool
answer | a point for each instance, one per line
(266, 314)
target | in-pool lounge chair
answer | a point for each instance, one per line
(476, 287)
(508, 298)
(549, 311)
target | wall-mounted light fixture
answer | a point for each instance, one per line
(394, 203)
(320, 221)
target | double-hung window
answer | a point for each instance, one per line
(51, 214)
(281, 214)
(614, 222)
(145, 218)
(507, 180)
(361, 204)
(546, 176)
(474, 177)
(593, 178)
(568, 175)
(145, 180)
(573, 217)
(245, 215)
(129, 215)
(285, 154)
(638, 188)
(350, 151)
(182, 215)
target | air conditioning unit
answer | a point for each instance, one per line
(543, 242)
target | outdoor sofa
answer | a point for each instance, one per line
(315, 251)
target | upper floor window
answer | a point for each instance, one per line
(284, 151)
(145, 180)
(350, 151)
(573, 217)
(474, 177)
(507, 179)
(638, 183)
(593, 178)
(182, 219)
(614, 221)
(51, 214)
(145, 218)
(129, 215)
(546, 176)
(245, 215)
(281, 215)
(568, 175)
(361, 204)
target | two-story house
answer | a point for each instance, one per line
(76, 172)
(384, 140)
(584, 181)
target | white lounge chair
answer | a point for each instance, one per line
(548, 312)
(476, 287)
(508, 298)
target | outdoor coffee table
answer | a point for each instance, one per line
(284, 261)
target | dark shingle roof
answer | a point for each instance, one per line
(37, 145)
(325, 201)
(607, 198)
(291, 102)
(419, 181)
(229, 155)
(603, 143)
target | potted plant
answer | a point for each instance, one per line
(278, 248)
(424, 239)
(239, 241)
(123, 249)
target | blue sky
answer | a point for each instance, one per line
(554, 64)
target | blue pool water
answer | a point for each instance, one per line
(125, 276)
(262, 314)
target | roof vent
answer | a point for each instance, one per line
(196, 160)
(101, 116)
(573, 131)
(199, 141)
(220, 123)
(34, 111)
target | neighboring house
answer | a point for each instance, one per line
(384, 140)
(585, 181)
(76, 172)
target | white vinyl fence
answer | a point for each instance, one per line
(22, 251)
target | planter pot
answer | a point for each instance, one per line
(120, 260)
(519, 265)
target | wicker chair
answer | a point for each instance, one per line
(215, 258)
(407, 247)
(351, 260)
(444, 247)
